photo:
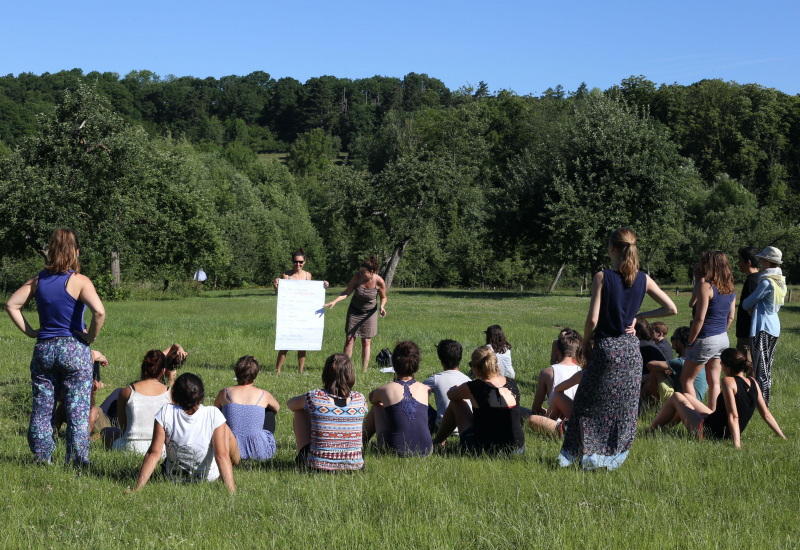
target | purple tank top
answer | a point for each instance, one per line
(716, 321)
(59, 313)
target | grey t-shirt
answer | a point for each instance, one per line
(440, 383)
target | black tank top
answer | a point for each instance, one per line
(746, 398)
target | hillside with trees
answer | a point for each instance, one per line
(164, 175)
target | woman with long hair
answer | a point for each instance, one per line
(62, 359)
(496, 339)
(602, 425)
(362, 315)
(298, 274)
(708, 334)
(328, 422)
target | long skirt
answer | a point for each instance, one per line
(602, 426)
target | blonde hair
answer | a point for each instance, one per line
(484, 362)
(62, 252)
(623, 240)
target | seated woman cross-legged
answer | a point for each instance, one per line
(200, 446)
(399, 412)
(493, 424)
(327, 422)
(250, 412)
(740, 397)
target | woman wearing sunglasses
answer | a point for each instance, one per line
(297, 273)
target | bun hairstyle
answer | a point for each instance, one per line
(623, 240)
(484, 362)
(371, 263)
(246, 369)
(153, 364)
(405, 358)
(718, 272)
(735, 361)
(299, 252)
(62, 251)
(188, 392)
(338, 375)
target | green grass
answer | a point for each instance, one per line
(672, 491)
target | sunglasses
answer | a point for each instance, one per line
(297, 262)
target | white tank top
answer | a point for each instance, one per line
(561, 373)
(141, 410)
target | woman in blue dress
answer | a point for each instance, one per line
(249, 412)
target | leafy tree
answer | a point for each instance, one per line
(312, 153)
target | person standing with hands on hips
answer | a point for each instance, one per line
(362, 321)
(61, 358)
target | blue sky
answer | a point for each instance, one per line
(526, 47)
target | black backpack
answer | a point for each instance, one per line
(384, 358)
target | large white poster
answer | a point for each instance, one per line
(300, 319)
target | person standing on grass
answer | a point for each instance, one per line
(708, 335)
(747, 262)
(765, 326)
(296, 273)
(740, 397)
(62, 359)
(602, 425)
(362, 315)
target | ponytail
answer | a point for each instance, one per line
(623, 240)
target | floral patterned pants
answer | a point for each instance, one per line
(60, 364)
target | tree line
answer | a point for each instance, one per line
(466, 188)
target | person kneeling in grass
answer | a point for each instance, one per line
(493, 424)
(739, 398)
(200, 446)
(327, 423)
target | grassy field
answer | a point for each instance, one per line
(672, 492)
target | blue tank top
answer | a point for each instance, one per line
(408, 433)
(619, 304)
(59, 313)
(716, 321)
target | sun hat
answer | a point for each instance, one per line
(771, 254)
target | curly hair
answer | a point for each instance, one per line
(153, 364)
(371, 263)
(338, 376)
(246, 369)
(405, 358)
(188, 392)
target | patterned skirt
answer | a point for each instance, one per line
(602, 426)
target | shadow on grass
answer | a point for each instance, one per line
(476, 294)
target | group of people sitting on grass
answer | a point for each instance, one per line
(334, 423)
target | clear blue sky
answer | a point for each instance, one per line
(525, 46)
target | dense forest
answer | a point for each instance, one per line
(467, 187)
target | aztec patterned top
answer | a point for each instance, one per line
(335, 431)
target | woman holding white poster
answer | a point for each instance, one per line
(362, 319)
(297, 273)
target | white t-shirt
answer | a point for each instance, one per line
(504, 362)
(190, 455)
(561, 373)
(440, 383)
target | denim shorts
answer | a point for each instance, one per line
(710, 347)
